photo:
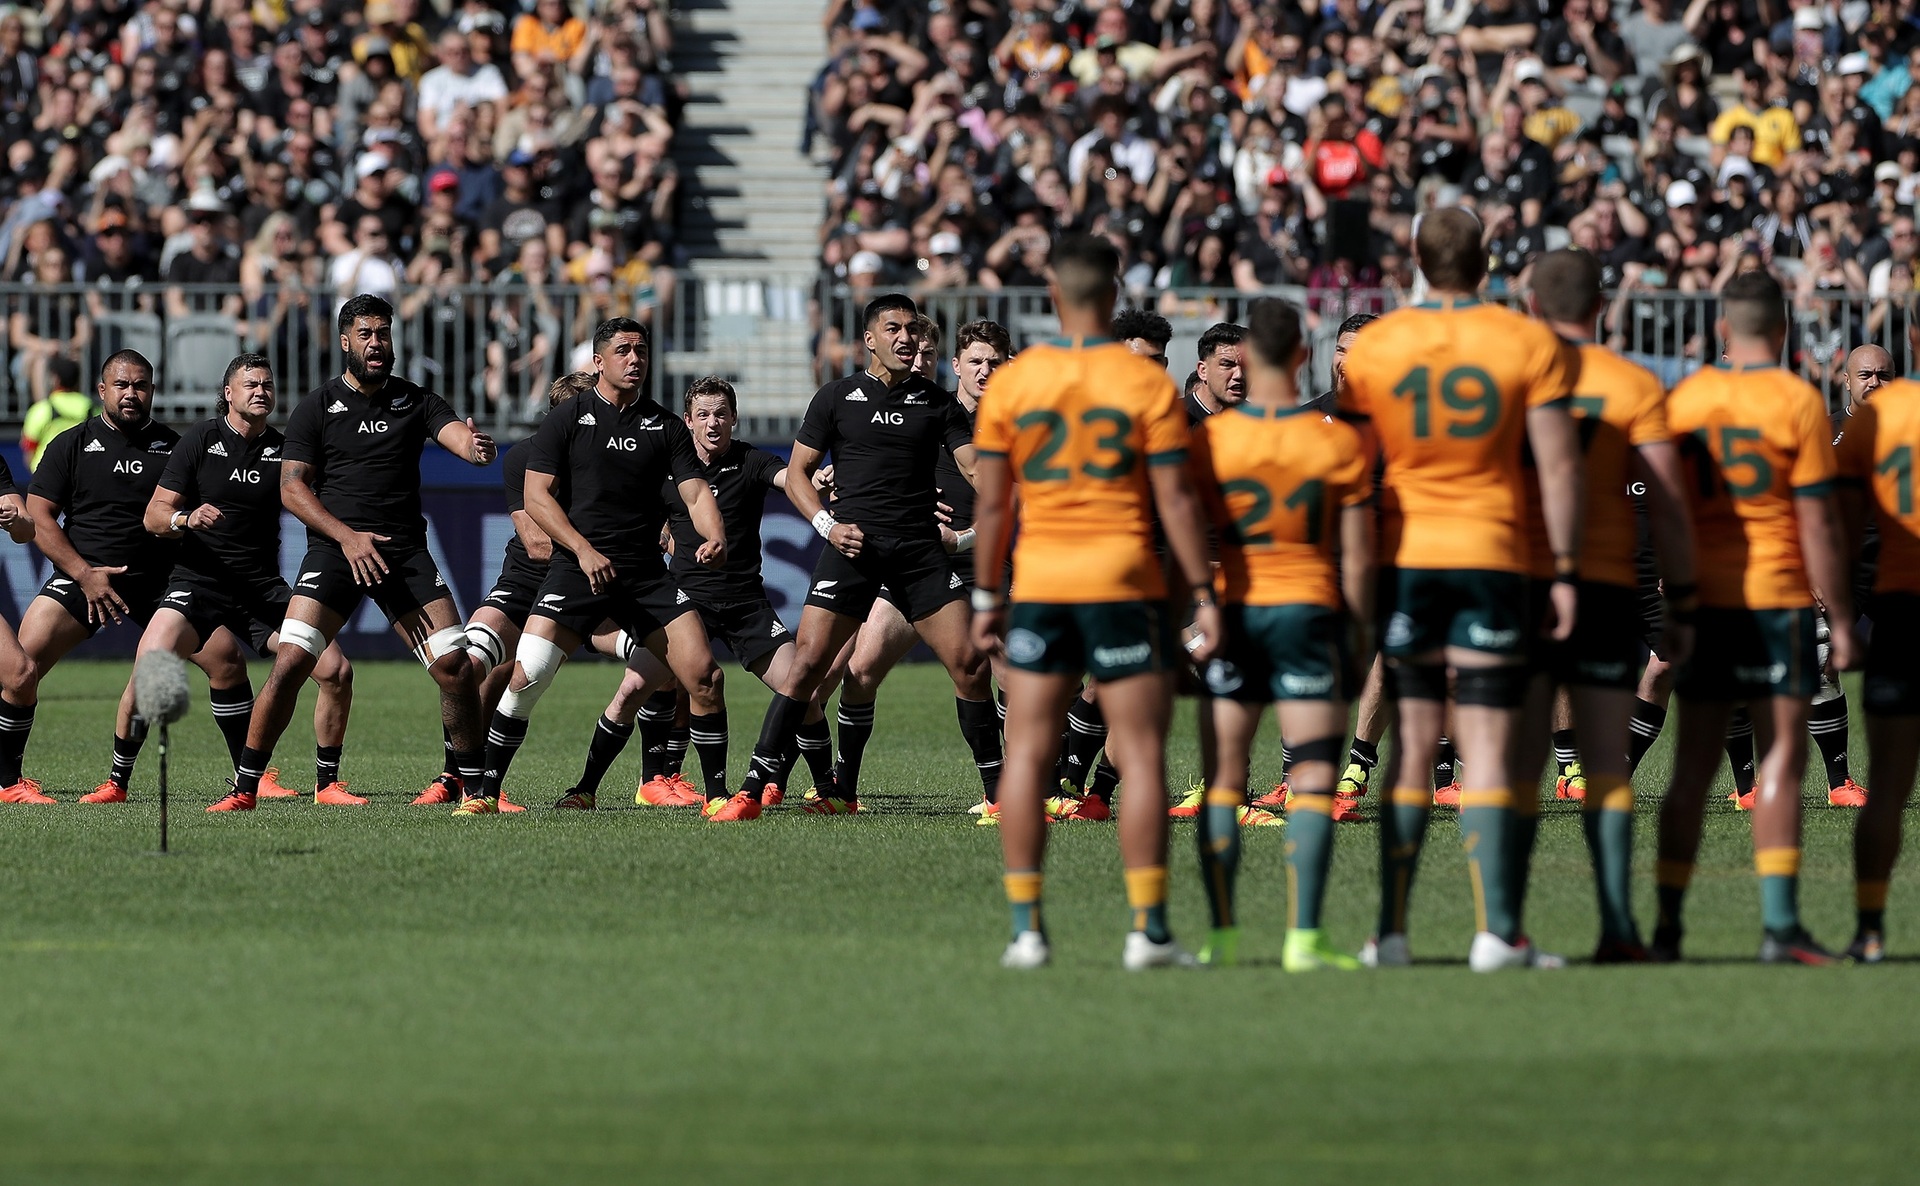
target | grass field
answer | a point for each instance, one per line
(386, 994)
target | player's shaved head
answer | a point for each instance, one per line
(1086, 271)
(1566, 286)
(1449, 250)
(1869, 368)
(1275, 331)
(1754, 305)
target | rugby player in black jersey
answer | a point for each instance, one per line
(885, 428)
(98, 476)
(219, 498)
(493, 630)
(885, 638)
(351, 473)
(730, 599)
(1222, 383)
(608, 453)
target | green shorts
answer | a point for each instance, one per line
(1423, 610)
(1749, 654)
(1892, 682)
(1283, 652)
(1106, 640)
(1604, 651)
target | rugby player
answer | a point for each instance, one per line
(351, 473)
(219, 497)
(1876, 472)
(1452, 389)
(885, 638)
(1289, 492)
(1222, 382)
(86, 503)
(885, 428)
(609, 454)
(1096, 440)
(1760, 449)
(1622, 415)
(731, 600)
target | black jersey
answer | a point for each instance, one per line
(365, 453)
(886, 443)
(6, 479)
(102, 480)
(739, 479)
(953, 487)
(214, 464)
(1196, 411)
(614, 462)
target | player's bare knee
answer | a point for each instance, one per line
(334, 673)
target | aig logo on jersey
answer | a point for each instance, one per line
(249, 476)
(129, 467)
(624, 444)
(894, 418)
(373, 426)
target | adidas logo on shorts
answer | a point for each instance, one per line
(94, 447)
(679, 596)
(779, 628)
(953, 581)
(336, 406)
(216, 450)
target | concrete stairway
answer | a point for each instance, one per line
(753, 203)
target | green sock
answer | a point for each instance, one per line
(1779, 870)
(1606, 819)
(1486, 826)
(1403, 829)
(1023, 900)
(1218, 838)
(1309, 854)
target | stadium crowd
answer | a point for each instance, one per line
(300, 152)
(1237, 145)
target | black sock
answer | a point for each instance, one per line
(777, 733)
(709, 736)
(980, 729)
(609, 738)
(676, 749)
(656, 725)
(1443, 774)
(1828, 724)
(16, 725)
(815, 740)
(232, 711)
(1643, 730)
(446, 746)
(1364, 754)
(326, 766)
(1286, 764)
(1105, 781)
(1740, 750)
(126, 751)
(470, 767)
(1566, 749)
(250, 769)
(856, 729)
(1086, 733)
(505, 736)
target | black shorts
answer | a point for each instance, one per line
(750, 628)
(513, 593)
(917, 572)
(1604, 651)
(140, 590)
(412, 582)
(1892, 684)
(640, 605)
(252, 611)
(1750, 654)
(962, 565)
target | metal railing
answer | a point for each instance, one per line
(491, 350)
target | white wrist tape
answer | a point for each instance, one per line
(963, 542)
(824, 523)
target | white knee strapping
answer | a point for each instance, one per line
(539, 660)
(299, 634)
(486, 646)
(623, 645)
(440, 644)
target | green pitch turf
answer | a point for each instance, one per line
(390, 995)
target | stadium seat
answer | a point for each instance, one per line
(199, 346)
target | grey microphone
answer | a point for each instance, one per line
(160, 687)
(160, 695)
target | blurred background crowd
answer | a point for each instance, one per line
(197, 177)
(1227, 146)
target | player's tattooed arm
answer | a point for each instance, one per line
(15, 520)
(103, 604)
(360, 547)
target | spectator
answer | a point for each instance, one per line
(1776, 132)
(456, 83)
(64, 406)
(206, 264)
(50, 322)
(370, 266)
(392, 33)
(1651, 35)
(547, 37)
